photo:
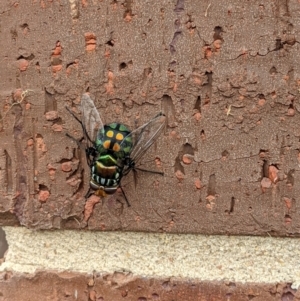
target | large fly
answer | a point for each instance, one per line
(113, 150)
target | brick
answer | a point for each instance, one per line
(122, 286)
(227, 82)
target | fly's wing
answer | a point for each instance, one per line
(91, 121)
(146, 135)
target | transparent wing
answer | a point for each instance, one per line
(91, 121)
(146, 135)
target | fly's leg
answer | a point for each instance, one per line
(130, 165)
(89, 193)
(150, 171)
(74, 139)
(90, 152)
(82, 125)
(128, 204)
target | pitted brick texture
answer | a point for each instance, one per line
(225, 73)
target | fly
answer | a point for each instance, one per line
(113, 150)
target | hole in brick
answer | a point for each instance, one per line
(56, 51)
(38, 67)
(232, 284)
(290, 178)
(202, 135)
(278, 44)
(110, 43)
(187, 149)
(172, 66)
(198, 104)
(218, 33)
(288, 296)
(28, 57)
(176, 36)
(155, 296)
(147, 71)
(44, 193)
(3, 244)
(169, 110)
(13, 34)
(43, 187)
(24, 26)
(178, 166)
(8, 172)
(232, 204)
(122, 66)
(208, 87)
(290, 27)
(212, 183)
(263, 153)
(225, 154)
(186, 153)
(273, 70)
(265, 169)
(70, 64)
(128, 15)
(50, 102)
(179, 6)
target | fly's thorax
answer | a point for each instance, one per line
(113, 138)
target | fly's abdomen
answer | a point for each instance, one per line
(105, 177)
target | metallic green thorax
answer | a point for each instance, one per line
(117, 148)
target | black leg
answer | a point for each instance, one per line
(82, 125)
(73, 115)
(89, 193)
(135, 177)
(125, 196)
(150, 171)
(74, 139)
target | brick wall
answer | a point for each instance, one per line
(225, 74)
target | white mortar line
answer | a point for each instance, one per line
(233, 258)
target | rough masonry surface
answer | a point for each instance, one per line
(226, 75)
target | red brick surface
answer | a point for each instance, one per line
(225, 73)
(119, 286)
